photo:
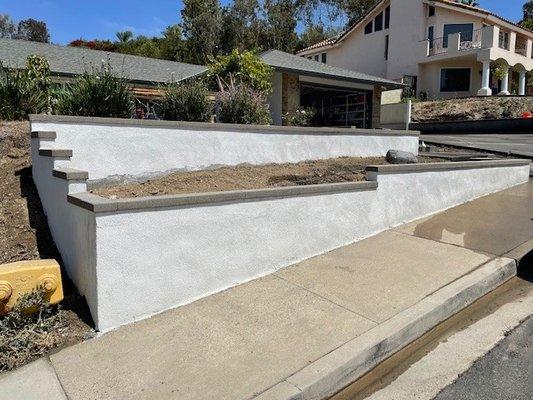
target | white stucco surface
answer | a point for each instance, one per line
(152, 260)
(133, 264)
(129, 151)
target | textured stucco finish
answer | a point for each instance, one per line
(132, 151)
(210, 248)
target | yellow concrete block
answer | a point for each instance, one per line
(22, 277)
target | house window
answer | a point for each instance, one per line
(317, 57)
(324, 58)
(455, 80)
(466, 31)
(378, 22)
(368, 28)
(386, 47)
(387, 17)
(503, 41)
(431, 36)
(431, 11)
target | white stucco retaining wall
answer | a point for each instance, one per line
(154, 258)
(132, 149)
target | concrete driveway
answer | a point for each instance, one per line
(514, 144)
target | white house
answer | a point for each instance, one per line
(440, 47)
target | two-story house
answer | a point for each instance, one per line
(442, 48)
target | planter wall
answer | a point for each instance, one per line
(124, 149)
(133, 258)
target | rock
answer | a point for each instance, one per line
(401, 157)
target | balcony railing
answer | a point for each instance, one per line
(440, 45)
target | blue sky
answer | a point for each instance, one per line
(71, 19)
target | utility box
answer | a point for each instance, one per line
(19, 278)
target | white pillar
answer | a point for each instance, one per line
(522, 83)
(505, 83)
(485, 81)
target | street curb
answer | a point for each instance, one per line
(336, 370)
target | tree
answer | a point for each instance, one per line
(124, 36)
(527, 22)
(241, 26)
(7, 26)
(201, 22)
(315, 33)
(171, 45)
(33, 30)
(280, 21)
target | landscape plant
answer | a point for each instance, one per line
(25, 91)
(245, 67)
(300, 117)
(239, 103)
(30, 330)
(99, 93)
(186, 102)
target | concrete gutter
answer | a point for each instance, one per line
(203, 126)
(97, 204)
(336, 370)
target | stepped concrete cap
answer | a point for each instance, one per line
(206, 126)
(55, 153)
(446, 166)
(70, 174)
(43, 135)
(96, 203)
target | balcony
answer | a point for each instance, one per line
(489, 43)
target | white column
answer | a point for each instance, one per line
(485, 81)
(522, 83)
(505, 83)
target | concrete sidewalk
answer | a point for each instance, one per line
(310, 328)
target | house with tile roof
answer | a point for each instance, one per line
(441, 48)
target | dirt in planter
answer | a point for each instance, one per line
(24, 235)
(245, 177)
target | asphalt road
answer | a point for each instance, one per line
(521, 144)
(505, 373)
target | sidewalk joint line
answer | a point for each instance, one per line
(324, 298)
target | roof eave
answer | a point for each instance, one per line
(387, 84)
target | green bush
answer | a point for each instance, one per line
(97, 94)
(26, 91)
(240, 104)
(300, 117)
(244, 66)
(186, 102)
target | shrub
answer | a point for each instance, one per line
(240, 104)
(26, 91)
(186, 102)
(300, 117)
(244, 66)
(97, 94)
(26, 335)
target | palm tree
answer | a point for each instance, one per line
(124, 36)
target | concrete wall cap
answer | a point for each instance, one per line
(393, 168)
(55, 153)
(43, 135)
(205, 126)
(96, 203)
(70, 174)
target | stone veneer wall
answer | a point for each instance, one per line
(376, 107)
(290, 94)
